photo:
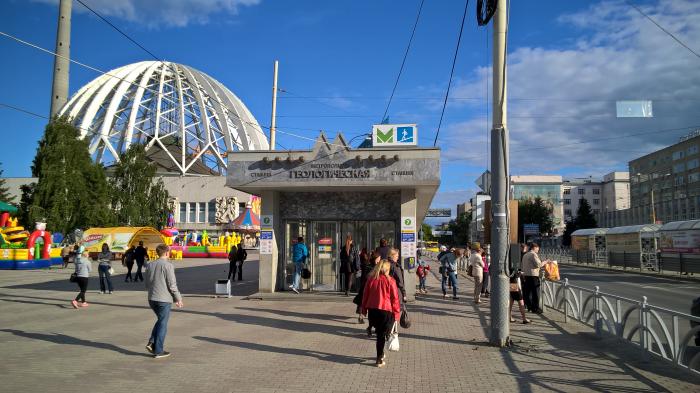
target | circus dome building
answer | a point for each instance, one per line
(189, 121)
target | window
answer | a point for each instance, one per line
(567, 191)
(677, 155)
(679, 168)
(596, 191)
(211, 218)
(567, 201)
(567, 212)
(694, 163)
(692, 150)
(679, 180)
(202, 212)
(183, 212)
(581, 191)
(693, 177)
(193, 212)
(596, 201)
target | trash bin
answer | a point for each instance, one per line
(223, 287)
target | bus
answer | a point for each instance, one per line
(429, 246)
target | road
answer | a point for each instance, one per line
(668, 293)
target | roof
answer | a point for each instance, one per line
(681, 225)
(634, 229)
(590, 231)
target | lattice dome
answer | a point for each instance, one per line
(188, 121)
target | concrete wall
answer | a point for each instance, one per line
(379, 205)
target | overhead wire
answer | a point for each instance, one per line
(449, 82)
(662, 28)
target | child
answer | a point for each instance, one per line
(516, 295)
(422, 273)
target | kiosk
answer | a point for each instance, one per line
(679, 243)
(330, 191)
(588, 245)
(633, 246)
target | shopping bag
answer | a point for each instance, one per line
(392, 344)
(405, 321)
(551, 271)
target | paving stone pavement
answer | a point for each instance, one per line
(292, 345)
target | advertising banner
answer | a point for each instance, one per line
(680, 241)
(624, 242)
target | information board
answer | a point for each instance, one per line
(266, 242)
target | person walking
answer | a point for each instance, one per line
(349, 263)
(162, 291)
(383, 249)
(232, 256)
(516, 295)
(486, 278)
(241, 256)
(396, 272)
(299, 255)
(477, 264)
(140, 254)
(83, 267)
(128, 261)
(531, 279)
(448, 263)
(422, 273)
(367, 264)
(105, 269)
(381, 304)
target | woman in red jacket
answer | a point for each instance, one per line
(380, 301)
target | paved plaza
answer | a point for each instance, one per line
(299, 343)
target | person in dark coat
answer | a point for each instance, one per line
(241, 256)
(128, 261)
(383, 249)
(140, 254)
(232, 257)
(397, 273)
(367, 264)
(349, 263)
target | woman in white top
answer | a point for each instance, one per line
(477, 265)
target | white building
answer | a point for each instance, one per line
(606, 196)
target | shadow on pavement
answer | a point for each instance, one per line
(63, 339)
(329, 357)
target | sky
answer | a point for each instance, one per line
(568, 63)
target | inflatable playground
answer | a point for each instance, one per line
(21, 249)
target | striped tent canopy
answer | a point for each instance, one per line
(247, 221)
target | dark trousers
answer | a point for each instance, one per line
(348, 278)
(82, 284)
(531, 288)
(129, 266)
(485, 284)
(382, 321)
(232, 268)
(103, 271)
(139, 266)
(160, 329)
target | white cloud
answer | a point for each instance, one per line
(153, 13)
(562, 98)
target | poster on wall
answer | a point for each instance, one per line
(583, 243)
(408, 249)
(627, 242)
(680, 241)
(265, 242)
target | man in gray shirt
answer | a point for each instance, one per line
(162, 291)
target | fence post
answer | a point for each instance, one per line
(643, 336)
(566, 300)
(675, 345)
(596, 311)
(624, 260)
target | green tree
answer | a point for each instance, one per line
(71, 191)
(427, 232)
(584, 216)
(570, 228)
(535, 211)
(138, 198)
(460, 228)
(4, 191)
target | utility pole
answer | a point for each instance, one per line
(500, 329)
(59, 88)
(273, 121)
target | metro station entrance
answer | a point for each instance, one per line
(325, 240)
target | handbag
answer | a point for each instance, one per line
(405, 321)
(305, 273)
(392, 344)
(73, 277)
(470, 271)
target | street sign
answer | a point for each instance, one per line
(484, 182)
(266, 242)
(439, 213)
(531, 229)
(408, 224)
(442, 233)
(266, 222)
(394, 135)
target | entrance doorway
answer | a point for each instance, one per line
(324, 255)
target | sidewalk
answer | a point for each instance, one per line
(227, 345)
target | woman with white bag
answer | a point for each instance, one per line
(380, 302)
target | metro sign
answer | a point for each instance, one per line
(394, 135)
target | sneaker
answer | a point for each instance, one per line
(111, 292)
(369, 331)
(163, 354)
(84, 304)
(74, 303)
(149, 348)
(381, 364)
(444, 296)
(526, 321)
(102, 292)
(295, 290)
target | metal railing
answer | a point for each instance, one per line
(661, 332)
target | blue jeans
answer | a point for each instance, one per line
(103, 270)
(452, 276)
(162, 311)
(298, 267)
(421, 282)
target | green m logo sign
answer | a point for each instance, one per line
(385, 137)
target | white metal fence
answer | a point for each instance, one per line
(655, 330)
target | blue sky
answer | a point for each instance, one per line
(570, 61)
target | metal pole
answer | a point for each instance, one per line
(59, 88)
(500, 329)
(653, 209)
(274, 108)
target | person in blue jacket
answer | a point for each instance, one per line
(299, 255)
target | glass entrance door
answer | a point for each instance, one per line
(383, 230)
(325, 255)
(294, 230)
